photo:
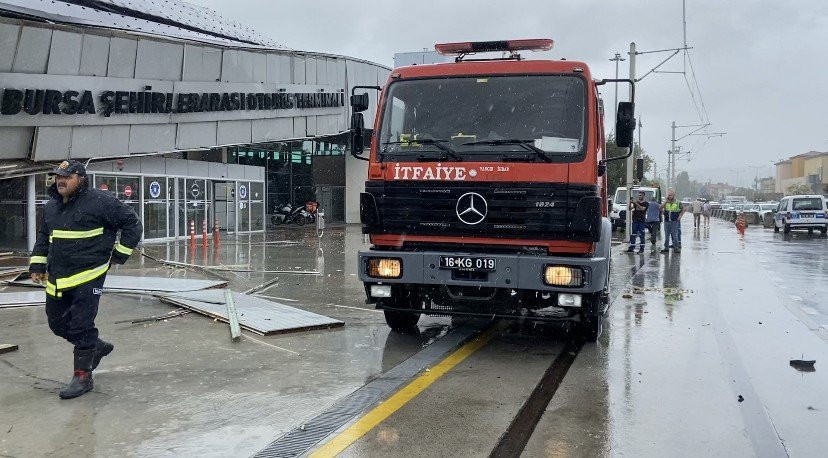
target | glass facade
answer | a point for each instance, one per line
(13, 211)
(289, 169)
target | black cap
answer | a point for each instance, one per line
(67, 168)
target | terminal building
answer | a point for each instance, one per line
(179, 112)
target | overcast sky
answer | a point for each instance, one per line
(761, 65)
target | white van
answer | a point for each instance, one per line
(801, 212)
(618, 210)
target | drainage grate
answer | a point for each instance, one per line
(299, 440)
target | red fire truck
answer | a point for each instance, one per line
(486, 191)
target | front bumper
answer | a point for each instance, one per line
(512, 271)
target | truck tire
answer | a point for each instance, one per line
(824, 230)
(397, 320)
(401, 321)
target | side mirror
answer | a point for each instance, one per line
(359, 102)
(357, 140)
(624, 124)
(602, 169)
(639, 169)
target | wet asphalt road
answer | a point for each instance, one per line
(686, 335)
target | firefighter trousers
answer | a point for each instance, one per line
(72, 316)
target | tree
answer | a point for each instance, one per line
(795, 189)
(617, 170)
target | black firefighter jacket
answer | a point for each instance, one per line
(76, 241)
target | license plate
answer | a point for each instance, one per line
(806, 215)
(468, 263)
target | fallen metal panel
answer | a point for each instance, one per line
(128, 283)
(257, 315)
(22, 299)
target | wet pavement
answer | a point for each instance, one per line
(686, 336)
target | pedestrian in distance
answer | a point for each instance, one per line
(673, 211)
(653, 220)
(76, 244)
(639, 221)
(706, 210)
(697, 212)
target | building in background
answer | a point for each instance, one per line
(719, 191)
(181, 113)
(404, 59)
(809, 169)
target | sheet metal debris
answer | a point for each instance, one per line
(173, 314)
(803, 365)
(255, 314)
(232, 315)
(22, 299)
(131, 284)
(6, 348)
(237, 269)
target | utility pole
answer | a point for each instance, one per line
(631, 159)
(671, 163)
(640, 149)
(616, 59)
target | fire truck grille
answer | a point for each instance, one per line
(538, 210)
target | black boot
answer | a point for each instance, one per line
(82, 380)
(102, 348)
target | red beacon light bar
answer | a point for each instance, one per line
(468, 47)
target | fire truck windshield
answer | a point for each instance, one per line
(534, 118)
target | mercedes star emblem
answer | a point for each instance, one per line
(472, 208)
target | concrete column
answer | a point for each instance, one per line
(31, 217)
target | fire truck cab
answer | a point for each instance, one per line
(486, 190)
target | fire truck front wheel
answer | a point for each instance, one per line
(400, 320)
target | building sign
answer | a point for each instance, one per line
(104, 187)
(49, 101)
(128, 191)
(154, 189)
(195, 190)
(243, 191)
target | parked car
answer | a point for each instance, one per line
(766, 212)
(801, 212)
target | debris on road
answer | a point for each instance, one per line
(255, 314)
(6, 348)
(803, 365)
(741, 398)
(627, 296)
(136, 284)
(173, 314)
(232, 315)
(22, 299)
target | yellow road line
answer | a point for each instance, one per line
(379, 413)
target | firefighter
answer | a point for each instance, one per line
(76, 245)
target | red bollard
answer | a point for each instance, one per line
(216, 239)
(204, 233)
(192, 234)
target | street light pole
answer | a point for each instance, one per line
(616, 59)
(631, 158)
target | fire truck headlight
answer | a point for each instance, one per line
(384, 268)
(563, 276)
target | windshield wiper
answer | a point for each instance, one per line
(429, 141)
(528, 145)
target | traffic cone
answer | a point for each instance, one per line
(216, 239)
(204, 233)
(192, 234)
(740, 224)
